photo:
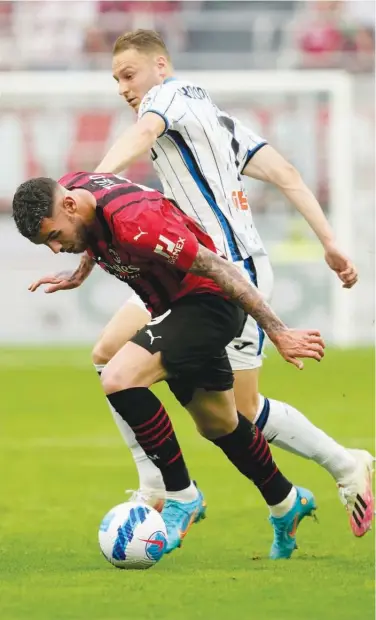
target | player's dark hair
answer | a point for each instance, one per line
(141, 40)
(32, 202)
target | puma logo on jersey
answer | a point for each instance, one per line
(136, 238)
(152, 338)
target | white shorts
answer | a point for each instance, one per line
(137, 301)
(245, 352)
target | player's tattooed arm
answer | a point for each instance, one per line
(230, 279)
(80, 274)
(84, 269)
(291, 344)
(66, 280)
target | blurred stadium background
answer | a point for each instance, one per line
(306, 83)
(54, 119)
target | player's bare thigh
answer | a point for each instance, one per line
(132, 366)
(123, 325)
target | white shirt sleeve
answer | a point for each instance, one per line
(165, 101)
(246, 141)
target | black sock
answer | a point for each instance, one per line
(248, 450)
(152, 426)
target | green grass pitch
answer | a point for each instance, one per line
(63, 466)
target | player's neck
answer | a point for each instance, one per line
(86, 205)
(168, 77)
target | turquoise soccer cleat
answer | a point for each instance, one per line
(285, 527)
(179, 517)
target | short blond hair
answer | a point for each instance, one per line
(142, 41)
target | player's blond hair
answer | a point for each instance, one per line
(141, 40)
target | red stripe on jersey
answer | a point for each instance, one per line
(73, 179)
(103, 186)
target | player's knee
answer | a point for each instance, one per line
(113, 380)
(115, 377)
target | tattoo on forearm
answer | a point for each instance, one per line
(84, 268)
(233, 284)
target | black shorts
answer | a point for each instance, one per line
(192, 337)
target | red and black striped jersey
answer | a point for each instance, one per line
(143, 239)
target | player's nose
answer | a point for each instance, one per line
(55, 246)
(123, 89)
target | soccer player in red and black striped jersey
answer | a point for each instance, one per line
(148, 253)
(199, 303)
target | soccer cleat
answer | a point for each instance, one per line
(285, 527)
(356, 494)
(179, 517)
(150, 497)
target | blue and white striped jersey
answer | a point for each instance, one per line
(199, 159)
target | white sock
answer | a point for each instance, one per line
(279, 510)
(150, 477)
(285, 427)
(186, 495)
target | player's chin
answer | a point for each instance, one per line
(134, 104)
(79, 248)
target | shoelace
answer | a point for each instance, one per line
(136, 496)
(348, 493)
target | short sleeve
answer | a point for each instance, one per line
(251, 143)
(159, 234)
(246, 141)
(166, 101)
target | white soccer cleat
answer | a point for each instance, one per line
(150, 497)
(355, 491)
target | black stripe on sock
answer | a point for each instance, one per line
(243, 448)
(151, 424)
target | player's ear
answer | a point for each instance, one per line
(69, 205)
(161, 62)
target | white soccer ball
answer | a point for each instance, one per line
(133, 535)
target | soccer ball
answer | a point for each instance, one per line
(133, 536)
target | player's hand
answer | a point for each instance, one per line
(294, 344)
(63, 281)
(342, 266)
